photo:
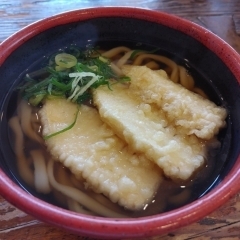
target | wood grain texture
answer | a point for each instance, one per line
(220, 16)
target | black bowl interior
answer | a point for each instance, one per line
(208, 69)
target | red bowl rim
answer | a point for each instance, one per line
(120, 228)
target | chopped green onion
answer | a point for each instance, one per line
(65, 60)
(103, 59)
(78, 91)
(35, 100)
(50, 88)
(59, 68)
(125, 79)
(65, 129)
(70, 76)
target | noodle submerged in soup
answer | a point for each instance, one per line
(82, 78)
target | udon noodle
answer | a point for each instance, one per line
(39, 171)
(176, 73)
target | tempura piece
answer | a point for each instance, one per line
(91, 149)
(188, 110)
(146, 129)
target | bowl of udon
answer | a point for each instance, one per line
(118, 122)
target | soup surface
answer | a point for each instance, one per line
(41, 170)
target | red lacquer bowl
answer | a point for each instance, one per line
(210, 55)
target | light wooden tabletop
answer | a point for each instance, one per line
(220, 16)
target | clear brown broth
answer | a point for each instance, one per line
(170, 195)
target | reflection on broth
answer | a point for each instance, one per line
(98, 135)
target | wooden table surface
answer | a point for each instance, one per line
(220, 16)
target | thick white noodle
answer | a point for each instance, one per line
(40, 172)
(200, 92)
(25, 116)
(123, 60)
(174, 76)
(105, 201)
(76, 207)
(186, 80)
(116, 69)
(115, 51)
(153, 65)
(22, 164)
(79, 196)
